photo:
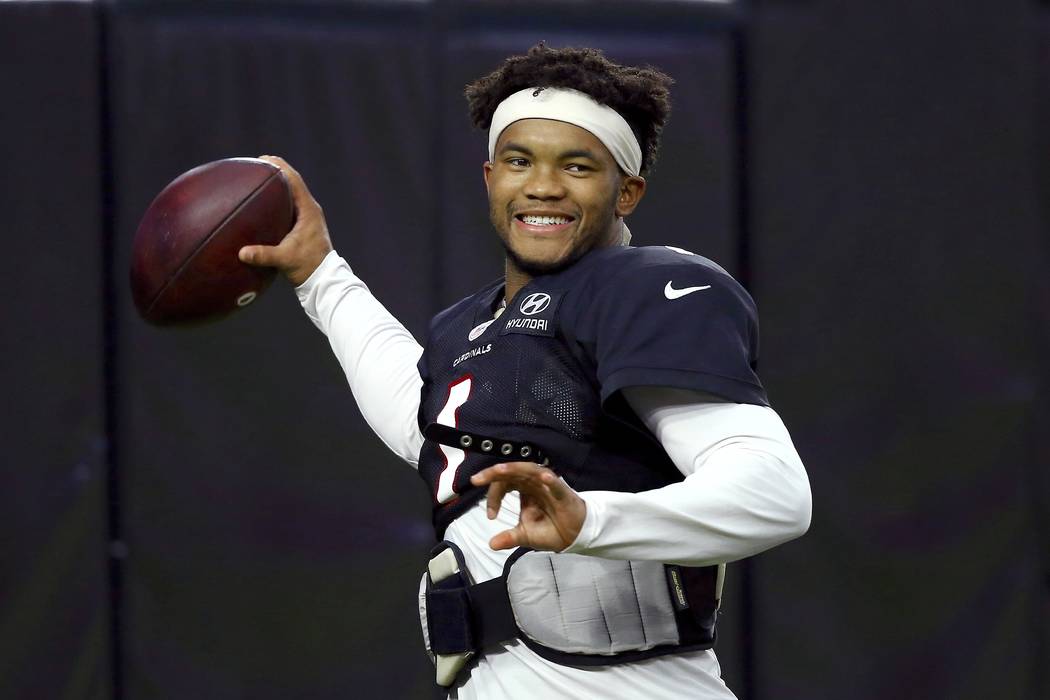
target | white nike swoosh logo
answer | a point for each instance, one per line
(672, 293)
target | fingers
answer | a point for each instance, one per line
(556, 485)
(551, 515)
(304, 201)
(306, 245)
(517, 472)
(494, 499)
(528, 478)
(295, 180)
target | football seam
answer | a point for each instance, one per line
(222, 224)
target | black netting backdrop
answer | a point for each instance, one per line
(275, 546)
(54, 624)
(876, 175)
(900, 271)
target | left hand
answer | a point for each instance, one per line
(552, 514)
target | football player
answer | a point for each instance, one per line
(598, 402)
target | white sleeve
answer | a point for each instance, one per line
(745, 488)
(377, 353)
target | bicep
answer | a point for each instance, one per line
(692, 425)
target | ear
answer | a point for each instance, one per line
(487, 168)
(632, 189)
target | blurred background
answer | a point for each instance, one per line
(202, 513)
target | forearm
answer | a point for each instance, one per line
(377, 353)
(745, 488)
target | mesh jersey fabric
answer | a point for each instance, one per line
(550, 369)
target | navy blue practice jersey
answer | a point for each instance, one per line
(548, 372)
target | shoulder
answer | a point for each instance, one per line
(643, 257)
(654, 274)
(659, 316)
(622, 264)
(465, 306)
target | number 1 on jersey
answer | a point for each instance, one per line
(458, 393)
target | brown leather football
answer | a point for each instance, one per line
(184, 265)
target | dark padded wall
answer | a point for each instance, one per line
(274, 544)
(1040, 327)
(54, 623)
(897, 247)
(900, 267)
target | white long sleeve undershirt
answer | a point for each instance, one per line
(745, 488)
(376, 351)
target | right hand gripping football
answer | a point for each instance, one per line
(306, 245)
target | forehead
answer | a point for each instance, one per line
(551, 137)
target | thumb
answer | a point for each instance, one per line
(508, 539)
(260, 255)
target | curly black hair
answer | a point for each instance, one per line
(640, 95)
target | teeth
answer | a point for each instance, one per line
(545, 220)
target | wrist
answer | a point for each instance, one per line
(588, 526)
(299, 275)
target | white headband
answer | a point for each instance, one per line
(572, 107)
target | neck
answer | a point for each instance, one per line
(514, 279)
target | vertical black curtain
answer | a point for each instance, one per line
(53, 592)
(901, 274)
(896, 173)
(274, 546)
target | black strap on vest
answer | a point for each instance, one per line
(463, 616)
(511, 450)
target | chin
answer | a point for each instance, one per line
(534, 266)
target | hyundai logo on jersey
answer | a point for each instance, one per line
(535, 303)
(534, 315)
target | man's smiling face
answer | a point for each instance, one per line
(555, 193)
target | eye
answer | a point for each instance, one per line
(517, 162)
(578, 168)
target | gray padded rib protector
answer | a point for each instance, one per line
(579, 604)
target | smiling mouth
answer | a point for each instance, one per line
(544, 221)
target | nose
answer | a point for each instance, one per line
(543, 184)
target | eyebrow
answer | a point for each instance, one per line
(565, 155)
(579, 153)
(511, 146)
